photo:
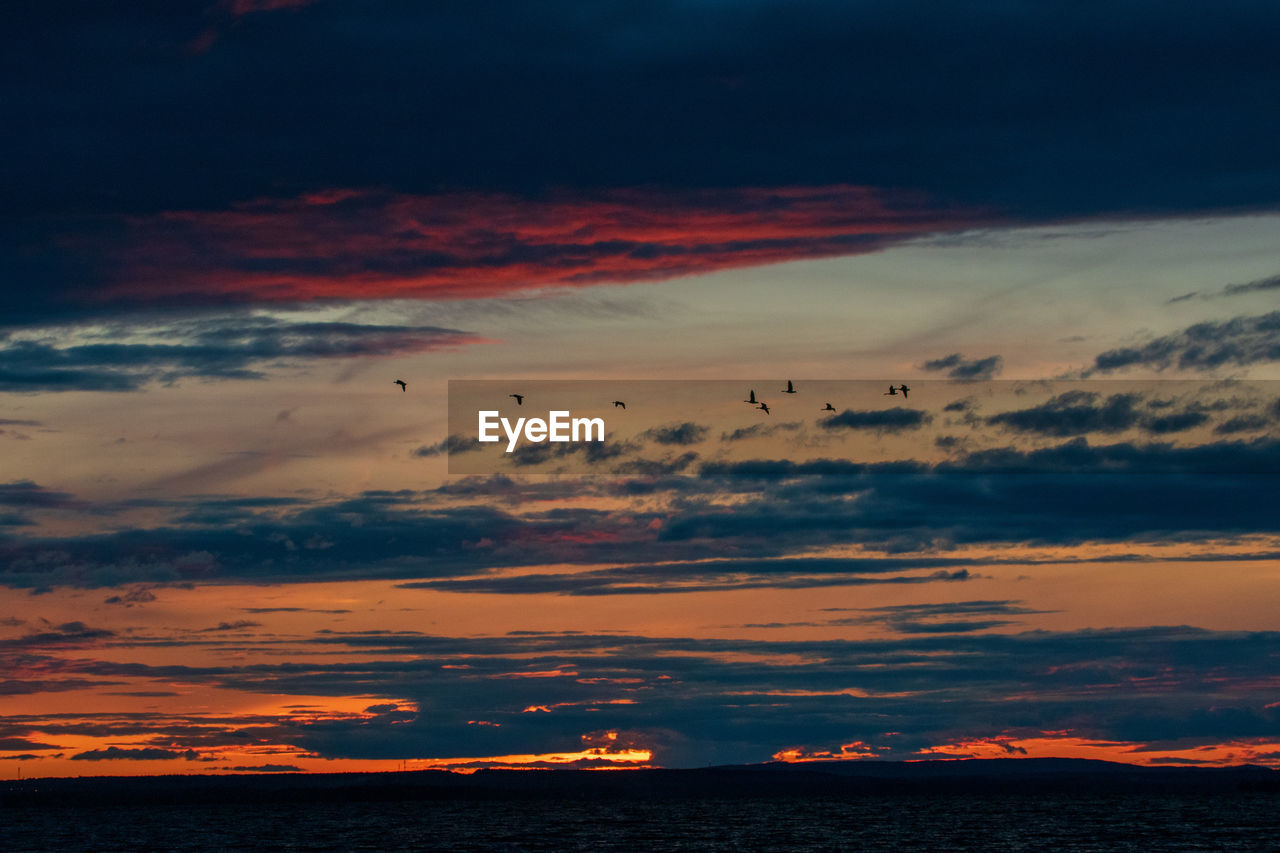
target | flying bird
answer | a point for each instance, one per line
(752, 398)
(791, 389)
(765, 407)
(618, 404)
(892, 392)
(829, 408)
(401, 383)
(519, 398)
(904, 389)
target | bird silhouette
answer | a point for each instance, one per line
(519, 398)
(619, 404)
(892, 392)
(791, 389)
(401, 383)
(765, 407)
(904, 389)
(829, 408)
(752, 398)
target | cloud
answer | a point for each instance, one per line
(1243, 423)
(896, 419)
(767, 508)
(932, 618)
(293, 610)
(451, 444)
(238, 625)
(206, 348)
(731, 87)
(715, 576)
(699, 700)
(13, 744)
(345, 244)
(66, 635)
(115, 753)
(669, 464)
(239, 8)
(1240, 342)
(958, 367)
(760, 430)
(681, 434)
(1260, 285)
(1079, 412)
(29, 495)
(137, 595)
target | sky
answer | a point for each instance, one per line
(229, 543)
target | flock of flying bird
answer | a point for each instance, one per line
(751, 398)
(791, 389)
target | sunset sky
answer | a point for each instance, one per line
(228, 543)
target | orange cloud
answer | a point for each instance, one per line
(848, 752)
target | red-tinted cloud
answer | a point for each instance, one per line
(240, 8)
(357, 244)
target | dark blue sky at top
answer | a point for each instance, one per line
(1040, 109)
(1028, 112)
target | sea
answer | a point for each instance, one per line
(933, 822)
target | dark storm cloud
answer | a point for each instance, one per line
(1238, 342)
(959, 367)
(217, 348)
(108, 110)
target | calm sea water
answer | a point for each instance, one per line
(934, 823)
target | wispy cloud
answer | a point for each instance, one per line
(1261, 285)
(1238, 342)
(214, 347)
(959, 367)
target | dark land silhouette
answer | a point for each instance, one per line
(1030, 776)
